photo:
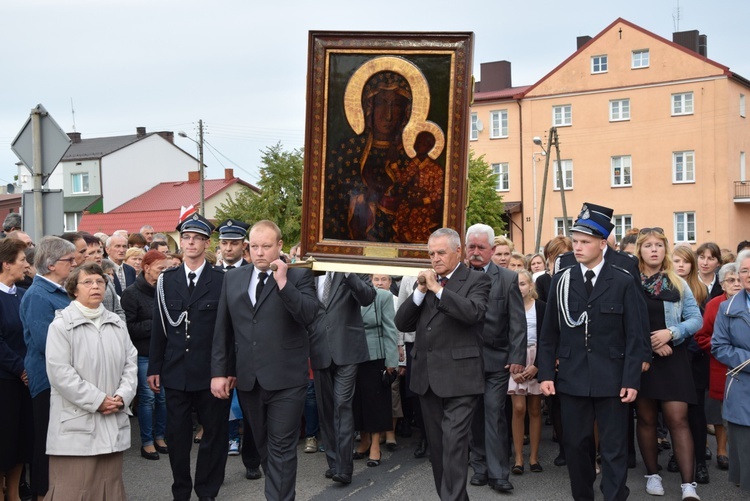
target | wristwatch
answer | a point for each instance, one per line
(672, 333)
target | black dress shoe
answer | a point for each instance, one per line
(560, 460)
(206, 498)
(151, 456)
(502, 485)
(343, 478)
(330, 472)
(252, 473)
(672, 465)
(421, 450)
(161, 449)
(701, 473)
(478, 479)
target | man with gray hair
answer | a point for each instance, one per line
(12, 222)
(504, 352)
(148, 233)
(447, 311)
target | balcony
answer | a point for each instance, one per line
(742, 192)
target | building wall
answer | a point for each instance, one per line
(128, 172)
(714, 131)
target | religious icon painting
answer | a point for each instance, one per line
(386, 151)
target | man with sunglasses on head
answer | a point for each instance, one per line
(187, 299)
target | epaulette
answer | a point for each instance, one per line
(621, 269)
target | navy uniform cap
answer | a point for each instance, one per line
(195, 223)
(232, 229)
(595, 220)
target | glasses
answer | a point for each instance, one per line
(193, 238)
(655, 229)
(69, 260)
(88, 283)
(744, 272)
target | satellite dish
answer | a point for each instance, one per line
(10, 188)
(480, 125)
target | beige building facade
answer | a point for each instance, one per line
(647, 126)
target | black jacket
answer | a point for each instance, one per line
(138, 303)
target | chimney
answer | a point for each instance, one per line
(140, 131)
(75, 137)
(194, 176)
(228, 174)
(494, 76)
(166, 134)
(692, 40)
(581, 41)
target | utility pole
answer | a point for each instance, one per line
(201, 170)
(552, 140)
(36, 131)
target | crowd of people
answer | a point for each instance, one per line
(618, 343)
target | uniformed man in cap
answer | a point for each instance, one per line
(591, 331)
(232, 234)
(187, 299)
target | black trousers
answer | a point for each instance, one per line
(334, 391)
(611, 415)
(213, 414)
(275, 419)
(40, 459)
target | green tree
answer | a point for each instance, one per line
(484, 204)
(280, 197)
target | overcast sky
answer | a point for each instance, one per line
(240, 65)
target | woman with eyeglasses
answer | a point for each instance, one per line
(92, 369)
(673, 317)
(730, 282)
(54, 259)
(730, 344)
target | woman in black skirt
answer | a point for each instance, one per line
(673, 317)
(372, 396)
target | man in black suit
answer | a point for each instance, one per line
(261, 338)
(232, 234)
(447, 311)
(187, 299)
(592, 332)
(337, 345)
(504, 352)
(124, 273)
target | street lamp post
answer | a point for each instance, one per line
(200, 163)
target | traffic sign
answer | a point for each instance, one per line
(52, 213)
(55, 143)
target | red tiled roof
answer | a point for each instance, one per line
(165, 196)
(508, 93)
(163, 221)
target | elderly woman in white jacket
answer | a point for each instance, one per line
(92, 368)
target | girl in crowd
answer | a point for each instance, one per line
(673, 317)
(524, 387)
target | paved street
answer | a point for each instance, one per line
(402, 477)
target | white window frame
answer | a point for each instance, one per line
(684, 227)
(563, 112)
(683, 162)
(683, 103)
(619, 110)
(559, 230)
(502, 170)
(498, 124)
(640, 58)
(567, 166)
(76, 219)
(742, 105)
(743, 167)
(599, 64)
(474, 131)
(622, 223)
(625, 164)
(83, 175)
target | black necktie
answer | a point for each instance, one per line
(478, 268)
(261, 282)
(191, 285)
(230, 267)
(590, 281)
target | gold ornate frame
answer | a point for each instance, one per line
(437, 67)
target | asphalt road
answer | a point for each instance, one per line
(402, 477)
